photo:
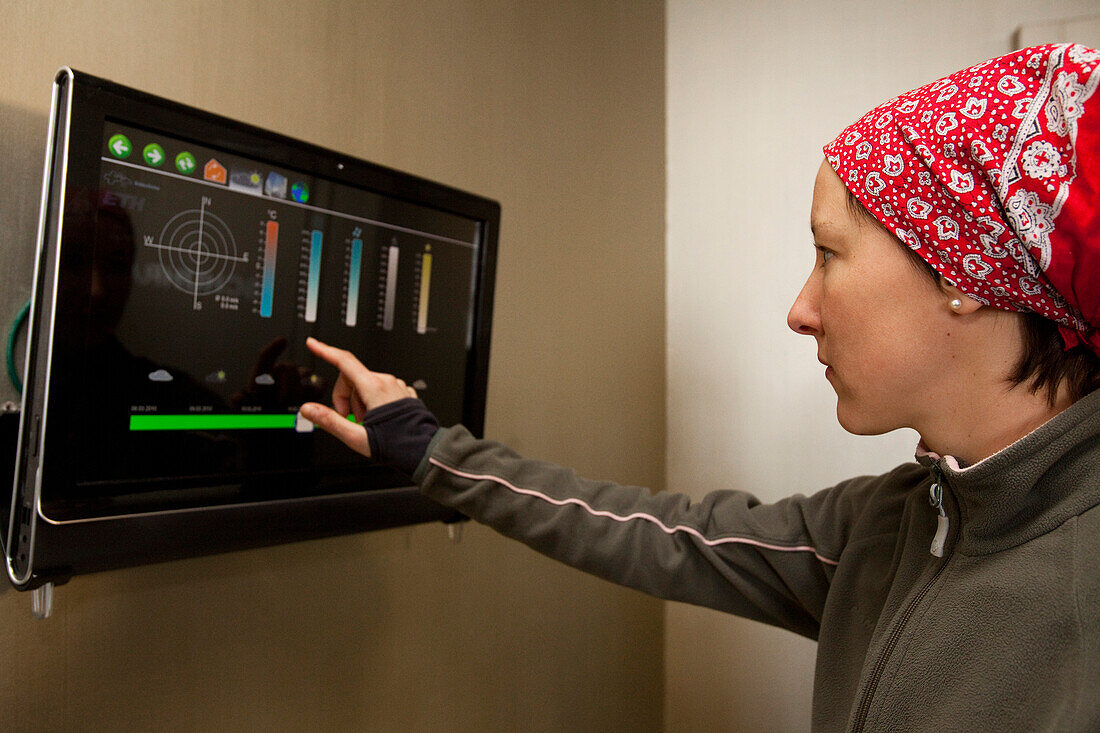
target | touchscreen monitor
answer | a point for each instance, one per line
(183, 260)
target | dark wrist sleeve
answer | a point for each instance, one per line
(399, 433)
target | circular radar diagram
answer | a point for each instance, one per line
(197, 252)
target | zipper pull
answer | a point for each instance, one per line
(935, 498)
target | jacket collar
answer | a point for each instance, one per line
(1029, 488)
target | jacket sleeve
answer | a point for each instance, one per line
(772, 563)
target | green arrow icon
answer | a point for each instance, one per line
(185, 163)
(154, 154)
(120, 146)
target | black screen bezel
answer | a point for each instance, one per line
(96, 101)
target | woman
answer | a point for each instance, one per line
(956, 291)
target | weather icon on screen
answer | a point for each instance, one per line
(299, 192)
(246, 180)
(160, 375)
(275, 185)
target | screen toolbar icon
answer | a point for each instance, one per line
(120, 146)
(249, 181)
(275, 185)
(185, 163)
(153, 154)
(214, 171)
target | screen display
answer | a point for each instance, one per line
(183, 259)
(189, 278)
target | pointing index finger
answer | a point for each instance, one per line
(354, 374)
(343, 360)
(358, 384)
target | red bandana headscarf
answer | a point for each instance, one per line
(992, 175)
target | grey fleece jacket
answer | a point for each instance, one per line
(1001, 633)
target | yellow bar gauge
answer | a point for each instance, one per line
(425, 285)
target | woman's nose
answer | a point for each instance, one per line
(805, 316)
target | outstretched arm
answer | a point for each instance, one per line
(730, 552)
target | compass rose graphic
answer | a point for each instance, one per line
(197, 252)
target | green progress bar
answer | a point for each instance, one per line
(209, 422)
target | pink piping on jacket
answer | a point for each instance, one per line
(637, 515)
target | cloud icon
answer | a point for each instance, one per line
(160, 375)
(265, 379)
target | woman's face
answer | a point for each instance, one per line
(881, 324)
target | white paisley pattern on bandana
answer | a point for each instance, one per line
(992, 175)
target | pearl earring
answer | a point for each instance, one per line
(956, 304)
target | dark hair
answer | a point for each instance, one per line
(1046, 363)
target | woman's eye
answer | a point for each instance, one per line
(826, 254)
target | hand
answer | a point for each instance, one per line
(358, 390)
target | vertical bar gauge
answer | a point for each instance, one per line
(425, 288)
(314, 284)
(271, 245)
(351, 313)
(389, 304)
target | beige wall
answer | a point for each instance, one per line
(755, 88)
(556, 110)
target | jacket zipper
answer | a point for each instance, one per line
(935, 497)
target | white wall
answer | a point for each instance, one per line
(755, 88)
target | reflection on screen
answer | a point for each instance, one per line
(187, 297)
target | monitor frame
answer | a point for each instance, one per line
(39, 549)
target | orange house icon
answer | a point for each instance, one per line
(214, 171)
